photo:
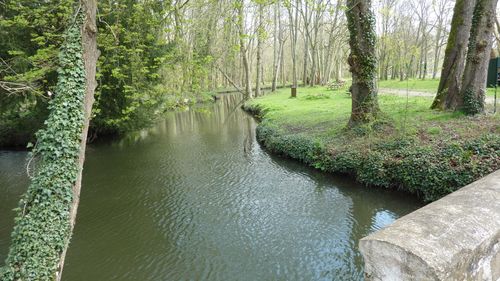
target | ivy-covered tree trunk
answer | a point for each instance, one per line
(90, 56)
(362, 61)
(454, 59)
(47, 210)
(472, 94)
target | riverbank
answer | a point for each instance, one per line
(411, 148)
(16, 133)
(184, 197)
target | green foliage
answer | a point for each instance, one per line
(17, 124)
(145, 66)
(424, 160)
(434, 130)
(132, 53)
(473, 104)
(429, 172)
(317, 96)
(31, 38)
(42, 228)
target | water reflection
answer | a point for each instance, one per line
(196, 198)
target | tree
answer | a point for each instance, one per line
(277, 45)
(306, 19)
(333, 53)
(472, 94)
(134, 51)
(362, 61)
(260, 38)
(240, 6)
(31, 38)
(46, 213)
(441, 8)
(387, 20)
(294, 21)
(454, 59)
(133, 56)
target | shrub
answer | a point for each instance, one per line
(428, 171)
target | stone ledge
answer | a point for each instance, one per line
(454, 238)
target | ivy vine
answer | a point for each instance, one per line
(473, 104)
(362, 59)
(42, 226)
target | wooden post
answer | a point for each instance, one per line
(294, 91)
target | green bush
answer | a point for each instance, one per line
(429, 172)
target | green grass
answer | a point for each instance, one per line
(410, 147)
(419, 85)
(325, 113)
(429, 85)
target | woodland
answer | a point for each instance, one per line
(160, 55)
(391, 92)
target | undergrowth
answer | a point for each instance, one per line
(423, 152)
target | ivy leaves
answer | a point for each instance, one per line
(42, 227)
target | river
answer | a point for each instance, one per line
(197, 198)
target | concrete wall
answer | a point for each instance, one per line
(454, 238)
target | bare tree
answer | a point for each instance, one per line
(277, 45)
(243, 46)
(260, 38)
(293, 14)
(441, 9)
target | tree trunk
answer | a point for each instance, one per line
(312, 79)
(90, 56)
(276, 47)
(424, 66)
(243, 49)
(306, 59)
(472, 94)
(362, 61)
(437, 48)
(282, 66)
(306, 43)
(454, 58)
(330, 61)
(48, 209)
(293, 43)
(260, 37)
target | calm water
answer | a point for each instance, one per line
(196, 198)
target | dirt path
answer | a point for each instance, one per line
(413, 93)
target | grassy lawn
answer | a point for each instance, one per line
(325, 113)
(427, 86)
(410, 147)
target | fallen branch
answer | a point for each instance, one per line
(229, 79)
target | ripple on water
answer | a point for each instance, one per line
(196, 198)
